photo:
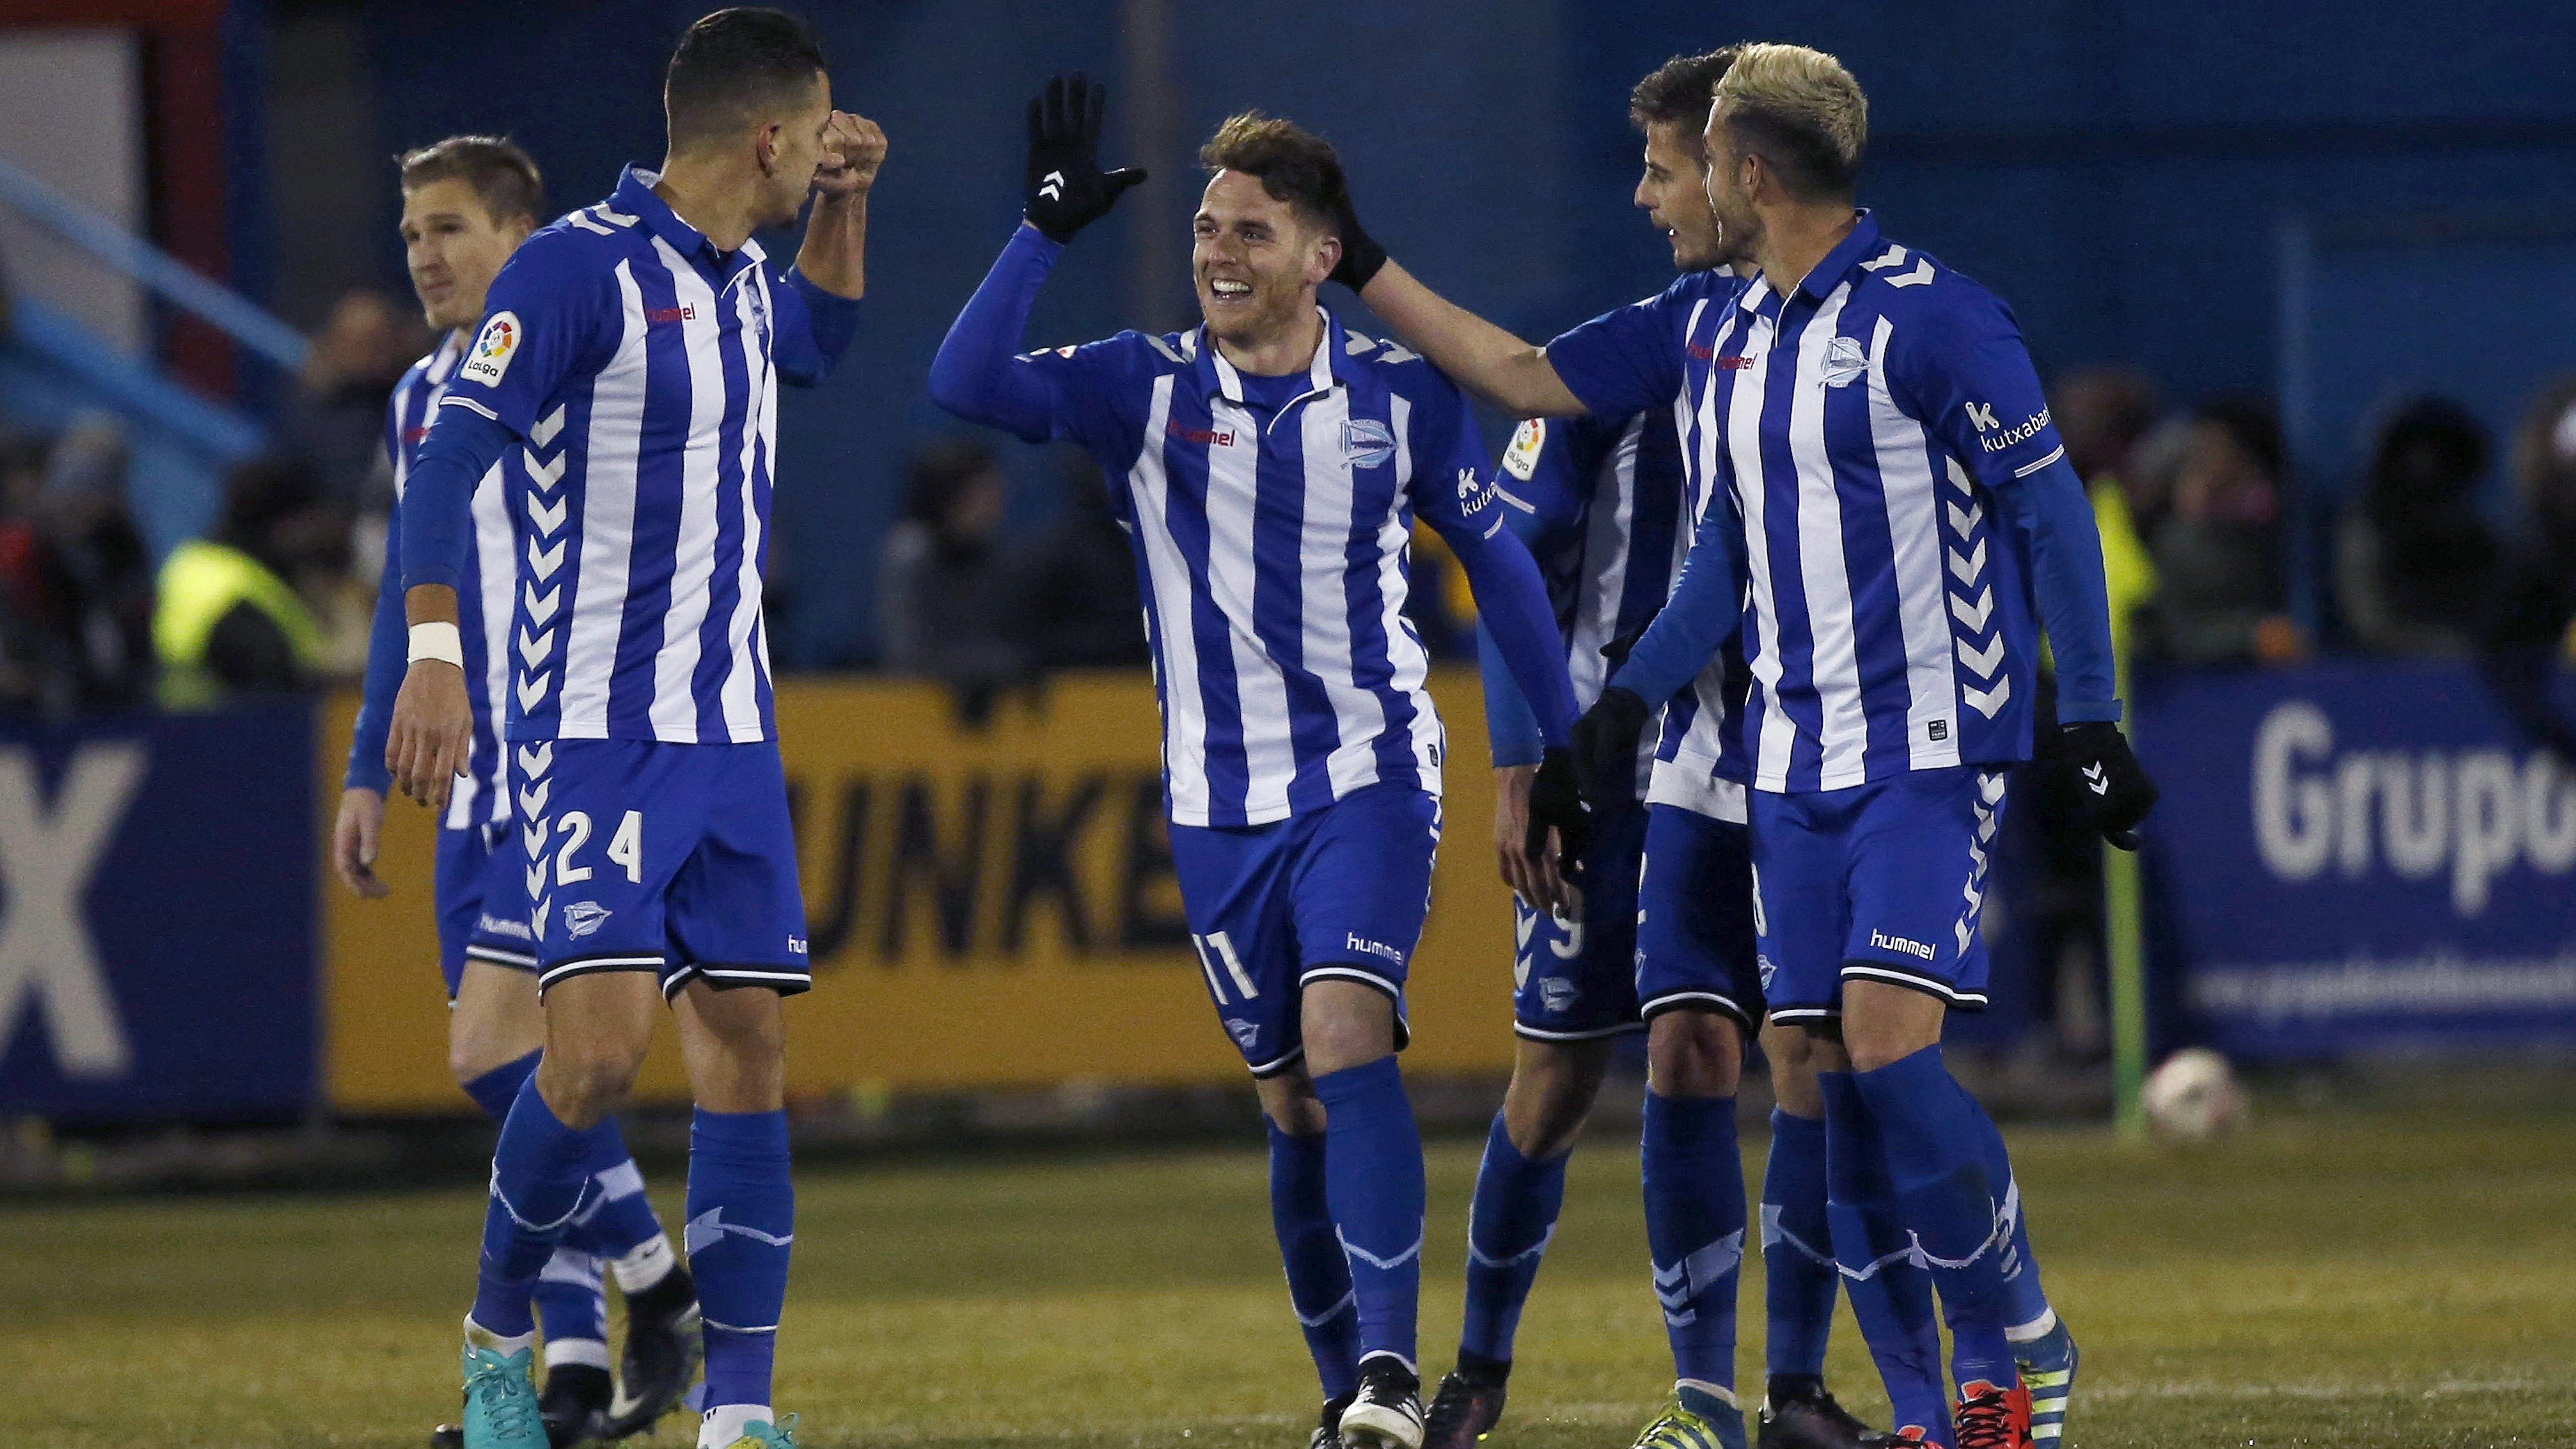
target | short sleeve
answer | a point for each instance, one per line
(1963, 370)
(1625, 361)
(1451, 488)
(549, 310)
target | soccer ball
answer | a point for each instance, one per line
(2193, 1097)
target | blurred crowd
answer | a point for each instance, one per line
(2427, 553)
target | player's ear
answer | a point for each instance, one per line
(1327, 255)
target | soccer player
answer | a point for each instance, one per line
(625, 377)
(1607, 504)
(1906, 519)
(1267, 466)
(468, 202)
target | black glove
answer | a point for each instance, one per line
(2097, 784)
(1361, 255)
(1556, 803)
(1605, 747)
(1067, 190)
(1618, 650)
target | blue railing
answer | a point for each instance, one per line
(158, 272)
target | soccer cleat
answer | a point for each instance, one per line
(1693, 1421)
(2048, 1373)
(663, 1346)
(1809, 1418)
(447, 1436)
(1911, 1434)
(1387, 1411)
(1991, 1418)
(1464, 1411)
(1328, 1429)
(757, 1435)
(500, 1402)
(573, 1402)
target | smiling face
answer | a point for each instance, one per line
(1676, 199)
(1255, 261)
(453, 248)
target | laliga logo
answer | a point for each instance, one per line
(498, 338)
(2477, 812)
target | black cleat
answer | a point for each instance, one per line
(1387, 1411)
(1467, 1407)
(447, 1436)
(1328, 1429)
(572, 1403)
(1805, 1416)
(663, 1347)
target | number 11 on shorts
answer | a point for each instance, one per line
(1215, 948)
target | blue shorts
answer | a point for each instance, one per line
(1695, 940)
(1332, 894)
(1878, 882)
(1571, 980)
(674, 859)
(482, 911)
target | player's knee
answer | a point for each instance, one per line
(1551, 1093)
(585, 1081)
(1345, 1024)
(1694, 1054)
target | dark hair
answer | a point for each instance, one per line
(937, 477)
(504, 177)
(1809, 165)
(1292, 164)
(1678, 93)
(736, 65)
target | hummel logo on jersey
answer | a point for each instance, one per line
(583, 917)
(1053, 189)
(1201, 436)
(2095, 780)
(1367, 443)
(1885, 942)
(1367, 947)
(687, 313)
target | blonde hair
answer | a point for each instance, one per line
(1800, 111)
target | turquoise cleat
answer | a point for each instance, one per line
(2048, 1366)
(501, 1401)
(756, 1435)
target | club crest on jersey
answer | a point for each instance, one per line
(581, 918)
(1528, 441)
(1845, 362)
(1245, 1034)
(1367, 443)
(493, 348)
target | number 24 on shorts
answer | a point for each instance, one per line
(625, 848)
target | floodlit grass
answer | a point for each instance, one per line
(2340, 1282)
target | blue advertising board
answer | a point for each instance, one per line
(2360, 855)
(156, 916)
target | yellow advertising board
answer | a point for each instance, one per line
(988, 906)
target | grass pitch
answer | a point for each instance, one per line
(2343, 1282)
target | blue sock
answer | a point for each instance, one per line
(1891, 1296)
(1799, 1276)
(538, 1185)
(1509, 1223)
(742, 1216)
(565, 1308)
(1319, 1274)
(1695, 1229)
(2025, 1302)
(1936, 1159)
(623, 1220)
(1373, 1179)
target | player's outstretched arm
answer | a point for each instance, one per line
(977, 374)
(1705, 608)
(1486, 360)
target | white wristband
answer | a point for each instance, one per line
(437, 641)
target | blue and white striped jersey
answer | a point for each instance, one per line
(1870, 430)
(1269, 518)
(638, 367)
(1608, 506)
(481, 796)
